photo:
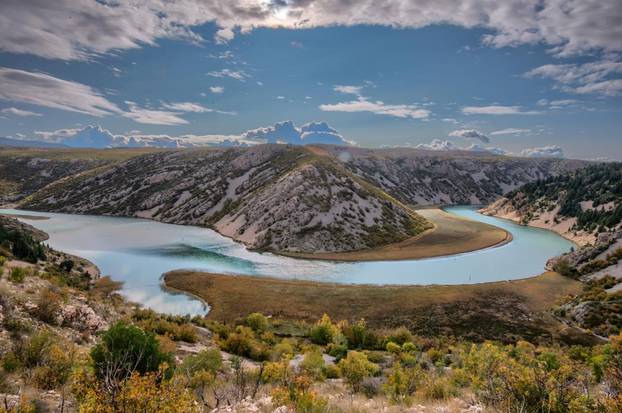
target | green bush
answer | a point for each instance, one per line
(323, 331)
(257, 322)
(18, 275)
(125, 349)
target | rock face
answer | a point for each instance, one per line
(292, 198)
(21, 175)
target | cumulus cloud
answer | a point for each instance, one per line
(597, 77)
(44, 90)
(217, 89)
(438, 145)
(281, 132)
(510, 131)
(19, 112)
(81, 29)
(233, 74)
(98, 137)
(497, 110)
(287, 132)
(552, 151)
(469, 134)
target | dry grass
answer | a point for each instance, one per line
(451, 235)
(506, 311)
(114, 154)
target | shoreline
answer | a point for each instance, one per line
(450, 235)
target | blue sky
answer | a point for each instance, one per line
(467, 83)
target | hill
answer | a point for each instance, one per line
(579, 205)
(290, 198)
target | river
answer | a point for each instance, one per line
(139, 251)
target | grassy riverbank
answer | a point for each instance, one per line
(505, 311)
(451, 235)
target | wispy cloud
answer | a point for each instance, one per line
(19, 112)
(153, 116)
(510, 131)
(233, 74)
(378, 107)
(365, 104)
(44, 90)
(588, 78)
(217, 89)
(497, 110)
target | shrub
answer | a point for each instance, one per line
(208, 359)
(313, 364)
(257, 322)
(48, 306)
(56, 368)
(125, 349)
(355, 367)
(402, 383)
(393, 347)
(400, 336)
(18, 275)
(2, 261)
(323, 331)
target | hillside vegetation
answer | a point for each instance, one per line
(580, 204)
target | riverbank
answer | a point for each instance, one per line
(451, 235)
(506, 311)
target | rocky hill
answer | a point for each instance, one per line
(579, 205)
(292, 198)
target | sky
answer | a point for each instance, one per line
(514, 76)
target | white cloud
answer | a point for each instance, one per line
(350, 90)
(98, 137)
(217, 89)
(497, 110)
(438, 145)
(81, 29)
(510, 131)
(153, 117)
(44, 90)
(551, 151)
(281, 132)
(378, 107)
(19, 112)
(469, 134)
(287, 132)
(187, 107)
(233, 74)
(588, 78)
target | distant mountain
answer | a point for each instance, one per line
(29, 143)
(580, 204)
